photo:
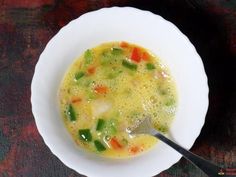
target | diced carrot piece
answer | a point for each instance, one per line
(91, 70)
(145, 56)
(124, 44)
(115, 144)
(101, 89)
(134, 149)
(136, 55)
(76, 100)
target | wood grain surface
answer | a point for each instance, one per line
(27, 25)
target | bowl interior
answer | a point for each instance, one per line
(120, 24)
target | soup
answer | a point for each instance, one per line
(109, 89)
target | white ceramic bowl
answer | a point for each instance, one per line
(135, 26)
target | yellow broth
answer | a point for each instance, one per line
(110, 88)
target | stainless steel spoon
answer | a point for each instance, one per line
(145, 127)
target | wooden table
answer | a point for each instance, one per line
(25, 28)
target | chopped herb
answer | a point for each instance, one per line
(150, 66)
(88, 56)
(116, 51)
(106, 57)
(111, 127)
(85, 135)
(129, 65)
(71, 113)
(79, 75)
(99, 146)
(100, 124)
(111, 56)
(112, 130)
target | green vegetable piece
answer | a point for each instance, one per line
(106, 57)
(71, 113)
(112, 56)
(150, 66)
(100, 124)
(111, 127)
(79, 75)
(88, 56)
(129, 65)
(99, 146)
(85, 135)
(112, 130)
(116, 51)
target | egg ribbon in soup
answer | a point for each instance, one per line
(110, 88)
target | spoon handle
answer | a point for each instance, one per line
(207, 167)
